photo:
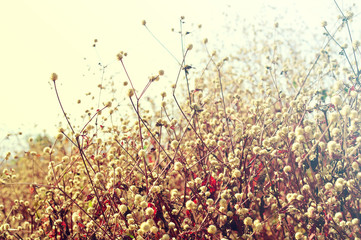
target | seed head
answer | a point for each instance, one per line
(141, 153)
(336, 100)
(145, 226)
(287, 169)
(212, 229)
(345, 111)
(178, 166)
(121, 55)
(149, 211)
(355, 166)
(298, 235)
(248, 221)
(123, 208)
(355, 221)
(130, 92)
(174, 144)
(54, 77)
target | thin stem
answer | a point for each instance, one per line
(61, 106)
(162, 45)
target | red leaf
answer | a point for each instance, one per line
(81, 225)
(154, 208)
(89, 197)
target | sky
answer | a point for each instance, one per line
(44, 36)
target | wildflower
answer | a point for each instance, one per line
(223, 202)
(287, 169)
(144, 22)
(212, 229)
(257, 225)
(76, 216)
(54, 77)
(306, 188)
(59, 136)
(145, 227)
(149, 211)
(236, 173)
(334, 117)
(165, 237)
(338, 216)
(47, 150)
(311, 212)
(345, 111)
(209, 201)
(138, 197)
(178, 166)
(156, 189)
(130, 92)
(328, 186)
(340, 182)
(332, 146)
(299, 131)
(190, 205)
(143, 204)
(123, 208)
(121, 55)
(336, 100)
(355, 166)
(238, 196)
(141, 153)
(153, 78)
(298, 235)
(154, 229)
(248, 221)
(256, 150)
(243, 211)
(355, 221)
(174, 144)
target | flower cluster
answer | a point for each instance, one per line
(253, 152)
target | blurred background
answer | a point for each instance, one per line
(45, 36)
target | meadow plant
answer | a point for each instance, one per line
(264, 149)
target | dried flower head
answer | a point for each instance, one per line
(54, 77)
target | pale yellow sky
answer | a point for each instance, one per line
(44, 36)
